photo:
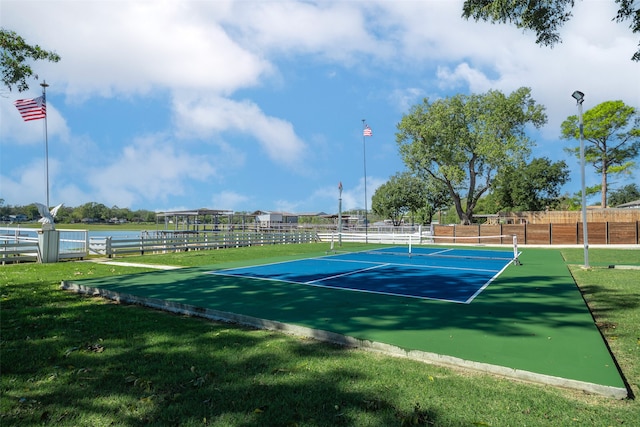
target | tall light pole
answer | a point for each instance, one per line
(365, 133)
(579, 97)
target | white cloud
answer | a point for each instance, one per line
(353, 197)
(15, 130)
(204, 117)
(331, 30)
(229, 200)
(26, 184)
(149, 169)
(132, 47)
(71, 195)
(405, 98)
(476, 80)
(478, 56)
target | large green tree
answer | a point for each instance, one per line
(613, 130)
(545, 18)
(403, 193)
(532, 186)
(463, 140)
(95, 211)
(16, 55)
(437, 198)
(626, 194)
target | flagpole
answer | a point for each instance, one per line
(364, 157)
(340, 215)
(46, 140)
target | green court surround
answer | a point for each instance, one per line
(531, 323)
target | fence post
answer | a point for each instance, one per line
(87, 246)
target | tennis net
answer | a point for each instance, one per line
(417, 244)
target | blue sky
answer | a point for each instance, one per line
(258, 105)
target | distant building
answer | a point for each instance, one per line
(17, 218)
(270, 219)
(631, 205)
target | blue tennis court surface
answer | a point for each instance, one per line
(455, 275)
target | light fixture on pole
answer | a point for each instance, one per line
(579, 97)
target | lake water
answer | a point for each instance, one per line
(121, 234)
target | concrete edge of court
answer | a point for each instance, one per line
(132, 264)
(347, 341)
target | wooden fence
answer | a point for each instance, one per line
(598, 233)
(603, 215)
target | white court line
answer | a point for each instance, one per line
(330, 258)
(403, 264)
(439, 252)
(472, 297)
(348, 273)
(318, 282)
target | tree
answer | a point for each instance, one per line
(613, 129)
(462, 141)
(31, 211)
(5, 210)
(533, 186)
(15, 54)
(145, 215)
(626, 194)
(545, 18)
(437, 198)
(403, 193)
(94, 211)
(64, 215)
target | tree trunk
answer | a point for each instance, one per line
(458, 204)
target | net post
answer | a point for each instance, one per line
(515, 250)
(409, 245)
(332, 243)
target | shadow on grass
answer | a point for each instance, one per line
(81, 362)
(610, 299)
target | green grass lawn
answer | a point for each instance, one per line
(70, 360)
(613, 295)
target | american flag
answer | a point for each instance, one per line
(367, 131)
(32, 109)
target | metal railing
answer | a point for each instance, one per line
(11, 251)
(18, 244)
(182, 242)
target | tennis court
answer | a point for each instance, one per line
(447, 274)
(530, 322)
